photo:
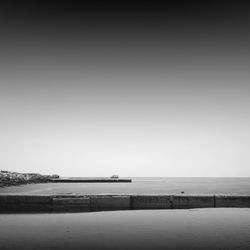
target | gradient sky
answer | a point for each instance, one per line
(131, 89)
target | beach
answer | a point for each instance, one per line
(220, 228)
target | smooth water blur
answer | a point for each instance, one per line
(198, 229)
(142, 186)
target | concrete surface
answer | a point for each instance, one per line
(80, 203)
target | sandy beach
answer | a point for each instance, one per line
(222, 228)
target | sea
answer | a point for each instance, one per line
(143, 185)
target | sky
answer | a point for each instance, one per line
(127, 88)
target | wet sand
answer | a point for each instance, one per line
(220, 228)
(234, 186)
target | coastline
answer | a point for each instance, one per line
(8, 178)
(163, 193)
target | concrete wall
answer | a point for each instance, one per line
(151, 202)
(232, 201)
(86, 203)
(110, 202)
(25, 203)
(192, 201)
(71, 204)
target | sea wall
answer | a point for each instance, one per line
(91, 203)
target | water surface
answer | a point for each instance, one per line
(142, 186)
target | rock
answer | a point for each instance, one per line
(8, 178)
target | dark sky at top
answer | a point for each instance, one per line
(96, 88)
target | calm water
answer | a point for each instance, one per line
(143, 186)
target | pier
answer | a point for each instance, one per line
(80, 180)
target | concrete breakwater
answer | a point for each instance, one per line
(90, 203)
(8, 178)
(79, 180)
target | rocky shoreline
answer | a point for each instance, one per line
(8, 178)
